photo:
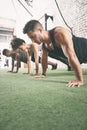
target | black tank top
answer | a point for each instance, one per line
(80, 47)
(22, 54)
(57, 53)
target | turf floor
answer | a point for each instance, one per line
(27, 103)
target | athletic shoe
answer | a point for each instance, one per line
(54, 67)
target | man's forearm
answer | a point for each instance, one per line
(44, 61)
(29, 66)
(17, 68)
(18, 65)
(12, 68)
(79, 75)
(77, 68)
(44, 67)
(37, 67)
(12, 65)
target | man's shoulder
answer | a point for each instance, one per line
(58, 29)
(17, 50)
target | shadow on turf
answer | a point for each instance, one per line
(55, 81)
(59, 74)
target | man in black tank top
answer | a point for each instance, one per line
(21, 56)
(16, 55)
(80, 47)
(63, 44)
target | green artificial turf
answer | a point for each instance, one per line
(27, 103)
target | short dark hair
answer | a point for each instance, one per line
(16, 42)
(5, 51)
(30, 26)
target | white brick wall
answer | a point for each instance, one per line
(75, 14)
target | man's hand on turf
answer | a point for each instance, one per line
(26, 73)
(39, 76)
(75, 83)
(34, 74)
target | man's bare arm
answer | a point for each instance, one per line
(68, 49)
(44, 61)
(12, 67)
(35, 50)
(28, 62)
(18, 62)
